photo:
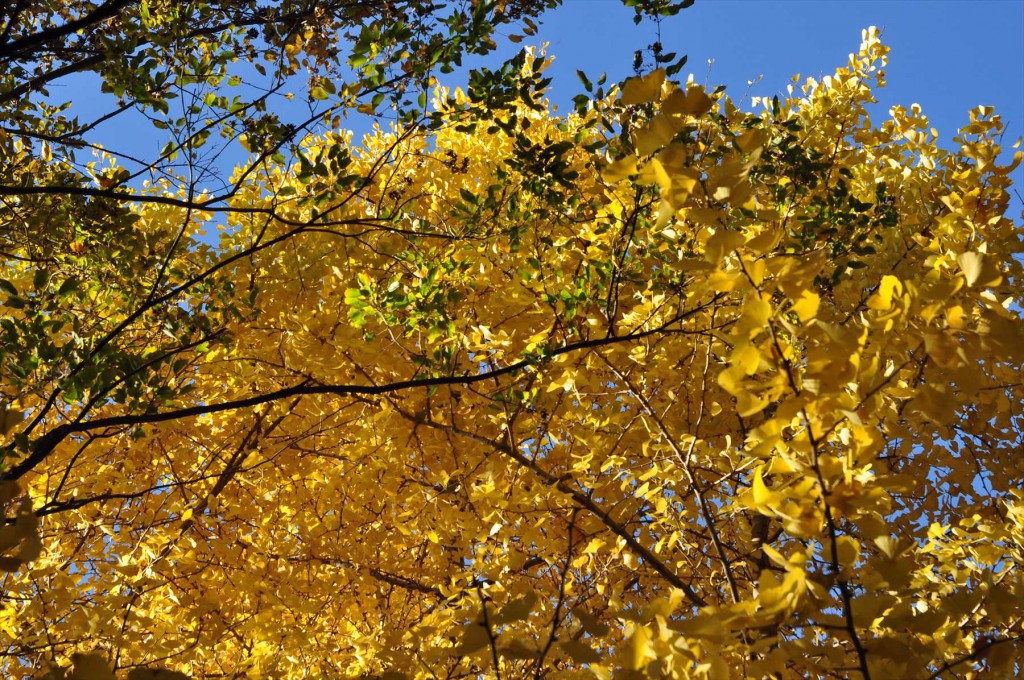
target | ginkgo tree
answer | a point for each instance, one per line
(657, 387)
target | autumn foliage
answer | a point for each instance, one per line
(661, 387)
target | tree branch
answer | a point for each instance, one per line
(23, 46)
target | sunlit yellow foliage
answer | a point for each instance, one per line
(661, 387)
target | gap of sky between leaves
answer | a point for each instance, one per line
(947, 55)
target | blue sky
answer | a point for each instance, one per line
(947, 55)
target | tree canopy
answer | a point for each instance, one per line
(662, 386)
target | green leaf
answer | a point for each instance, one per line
(587, 85)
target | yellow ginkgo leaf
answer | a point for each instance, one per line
(656, 134)
(638, 647)
(882, 298)
(970, 265)
(847, 551)
(806, 308)
(691, 102)
(9, 419)
(91, 667)
(643, 89)
(620, 169)
(761, 496)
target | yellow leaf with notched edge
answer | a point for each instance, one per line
(697, 101)
(881, 300)
(19, 541)
(474, 637)
(806, 308)
(9, 419)
(620, 169)
(515, 649)
(91, 667)
(776, 596)
(656, 134)
(749, 405)
(970, 265)
(754, 319)
(638, 648)
(730, 379)
(579, 651)
(517, 610)
(566, 382)
(721, 243)
(654, 173)
(751, 139)
(847, 551)
(764, 241)
(691, 102)
(761, 495)
(747, 357)
(590, 623)
(643, 89)
(944, 348)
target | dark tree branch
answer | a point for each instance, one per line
(37, 82)
(43, 446)
(23, 47)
